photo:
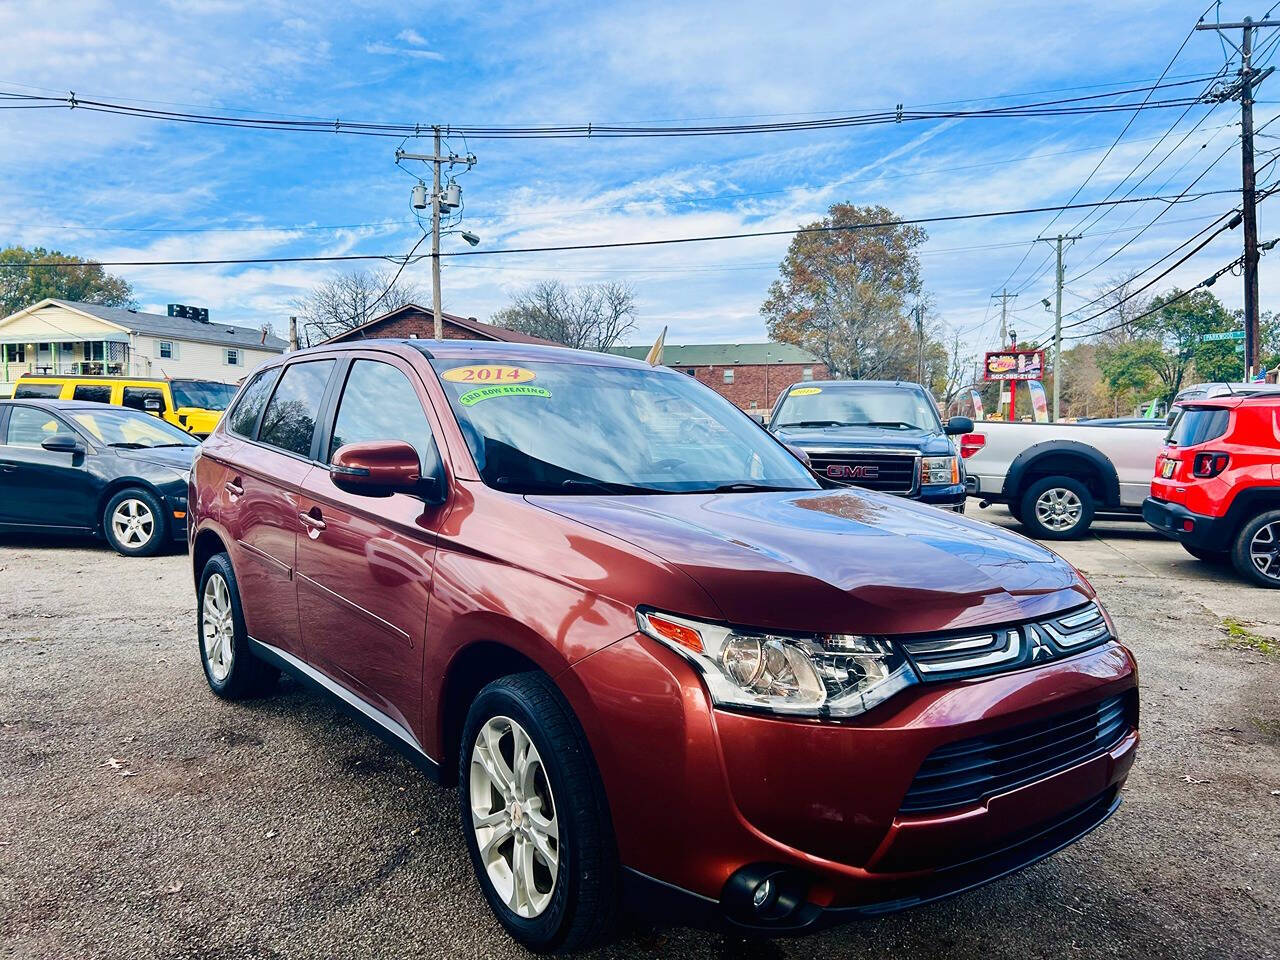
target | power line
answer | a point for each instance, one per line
(1068, 106)
(835, 228)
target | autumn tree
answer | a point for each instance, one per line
(844, 291)
(589, 317)
(84, 282)
(350, 299)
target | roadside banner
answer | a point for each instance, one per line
(977, 405)
(1151, 410)
(1039, 402)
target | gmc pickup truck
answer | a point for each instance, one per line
(1057, 478)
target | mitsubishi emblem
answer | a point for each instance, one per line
(1039, 649)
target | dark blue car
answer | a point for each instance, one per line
(69, 466)
(879, 434)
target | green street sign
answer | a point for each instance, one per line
(1212, 337)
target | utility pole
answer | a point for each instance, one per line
(1249, 208)
(1005, 296)
(293, 334)
(438, 203)
(1057, 325)
(919, 315)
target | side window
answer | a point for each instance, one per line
(98, 393)
(379, 403)
(290, 418)
(146, 399)
(243, 418)
(29, 427)
(32, 390)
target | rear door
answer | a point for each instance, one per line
(365, 563)
(259, 478)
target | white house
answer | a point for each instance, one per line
(64, 337)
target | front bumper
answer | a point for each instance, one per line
(821, 801)
(1172, 519)
(949, 498)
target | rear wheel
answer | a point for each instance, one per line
(232, 670)
(1208, 556)
(1057, 508)
(535, 818)
(1256, 553)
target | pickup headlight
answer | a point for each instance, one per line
(829, 675)
(939, 470)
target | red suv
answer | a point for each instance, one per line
(1217, 484)
(661, 661)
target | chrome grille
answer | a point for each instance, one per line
(970, 771)
(948, 657)
(887, 472)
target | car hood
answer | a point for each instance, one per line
(842, 561)
(175, 458)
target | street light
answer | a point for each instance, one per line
(470, 237)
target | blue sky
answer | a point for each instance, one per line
(123, 188)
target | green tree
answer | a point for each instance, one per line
(1176, 324)
(1128, 369)
(844, 294)
(86, 282)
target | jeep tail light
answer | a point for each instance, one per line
(971, 443)
(1209, 464)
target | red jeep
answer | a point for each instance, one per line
(1217, 484)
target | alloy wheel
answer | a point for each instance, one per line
(133, 523)
(513, 815)
(1264, 550)
(1059, 509)
(217, 627)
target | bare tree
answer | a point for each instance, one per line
(951, 370)
(1122, 306)
(590, 317)
(350, 299)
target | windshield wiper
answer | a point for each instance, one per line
(887, 423)
(522, 485)
(157, 446)
(129, 445)
(742, 486)
(817, 423)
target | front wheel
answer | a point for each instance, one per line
(232, 670)
(134, 523)
(1256, 553)
(535, 817)
(1057, 508)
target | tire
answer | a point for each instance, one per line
(1041, 517)
(1256, 553)
(1208, 556)
(219, 628)
(134, 523)
(577, 906)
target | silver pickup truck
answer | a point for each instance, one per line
(1058, 477)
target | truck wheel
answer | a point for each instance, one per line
(535, 816)
(1057, 508)
(1256, 554)
(1208, 556)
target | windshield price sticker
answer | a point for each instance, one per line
(489, 373)
(805, 391)
(472, 397)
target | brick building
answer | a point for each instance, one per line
(414, 322)
(750, 375)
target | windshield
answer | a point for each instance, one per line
(864, 405)
(116, 427)
(205, 394)
(576, 428)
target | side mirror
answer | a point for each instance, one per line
(380, 468)
(62, 443)
(958, 425)
(800, 455)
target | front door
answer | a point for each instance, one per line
(365, 563)
(41, 487)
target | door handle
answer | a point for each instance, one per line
(313, 522)
(8, 468)
(233, 487)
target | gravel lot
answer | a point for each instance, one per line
(142, 817)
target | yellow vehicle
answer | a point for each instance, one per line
(194, 405)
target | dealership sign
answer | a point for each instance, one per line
(1014, 365)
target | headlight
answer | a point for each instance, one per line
(939, 470)
(830, 675)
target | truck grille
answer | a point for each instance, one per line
(969, 771)
(888, 472)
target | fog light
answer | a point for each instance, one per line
(763, 894)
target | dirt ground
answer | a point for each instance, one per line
(143, 817)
